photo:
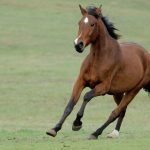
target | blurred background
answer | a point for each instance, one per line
(38, 67)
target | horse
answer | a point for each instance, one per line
(117, 69)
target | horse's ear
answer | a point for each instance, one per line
(83, 11)
(99, 11)
(100, 6)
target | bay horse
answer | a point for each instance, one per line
(118, 69)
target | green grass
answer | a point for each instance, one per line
(38, 66)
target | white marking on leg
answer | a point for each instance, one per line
(76, 40)
(113, 134)
(86, 20)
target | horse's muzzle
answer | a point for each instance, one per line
(79, 47)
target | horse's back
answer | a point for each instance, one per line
(132, 47)
(135, 54)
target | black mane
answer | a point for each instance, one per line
(109, 25)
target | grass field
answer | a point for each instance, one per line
(38, 66)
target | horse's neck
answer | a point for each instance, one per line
(104, 44)
(100, 47)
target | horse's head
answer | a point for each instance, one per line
(88, 29)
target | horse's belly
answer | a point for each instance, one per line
(123, 85)
(127, 79)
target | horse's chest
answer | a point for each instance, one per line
(92, 83)
(91, 78)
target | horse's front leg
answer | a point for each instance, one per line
(77, 124)
(100, 89)
(78, 87)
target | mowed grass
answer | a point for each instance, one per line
(38, 66)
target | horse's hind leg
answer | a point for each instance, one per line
(115, 132)
(116, 113)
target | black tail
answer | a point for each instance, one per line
(147, 87)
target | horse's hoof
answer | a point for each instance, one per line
(76, 128)
(52, 133)
(77, 125)
(114, 134)
(92, 137)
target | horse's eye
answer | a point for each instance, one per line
(92, 24)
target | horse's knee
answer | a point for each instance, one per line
(88, 96)
(69, 107)
(68, 110)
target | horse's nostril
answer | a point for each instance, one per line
(80, 45)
